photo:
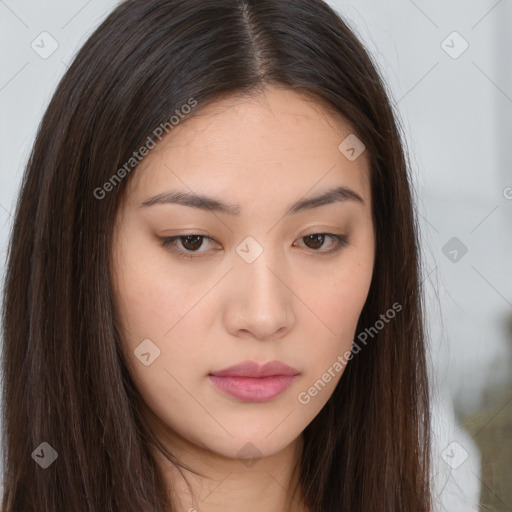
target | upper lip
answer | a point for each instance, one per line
(254, 369)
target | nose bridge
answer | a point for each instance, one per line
(262, 297)
(257, 268)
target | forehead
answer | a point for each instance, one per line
(267, 144)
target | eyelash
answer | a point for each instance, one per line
(169, 243)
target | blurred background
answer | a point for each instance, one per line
(448, 69)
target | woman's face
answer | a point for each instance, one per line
(253, 278)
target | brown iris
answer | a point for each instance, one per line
(196, 243)
(317, 238)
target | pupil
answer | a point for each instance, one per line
(195, 245)
(318, 241)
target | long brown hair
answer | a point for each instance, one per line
(64, 380)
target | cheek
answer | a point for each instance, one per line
(344, 303)
(157, 304)
(337, 301)
(341, 295)
(152, 299)
(154, 307)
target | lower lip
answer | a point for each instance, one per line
(252, 389)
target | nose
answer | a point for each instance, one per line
(260, 301)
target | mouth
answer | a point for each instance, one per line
(252, 382)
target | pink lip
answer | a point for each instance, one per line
(252, 382)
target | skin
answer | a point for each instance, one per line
(295, 303)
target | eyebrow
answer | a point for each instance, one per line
(203, 202)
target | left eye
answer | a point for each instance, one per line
(192, 243)
(317, 240)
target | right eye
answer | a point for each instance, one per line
(190, 244)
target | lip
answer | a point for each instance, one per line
(254, 369)
(252, 382)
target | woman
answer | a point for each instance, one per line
(212, 299)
